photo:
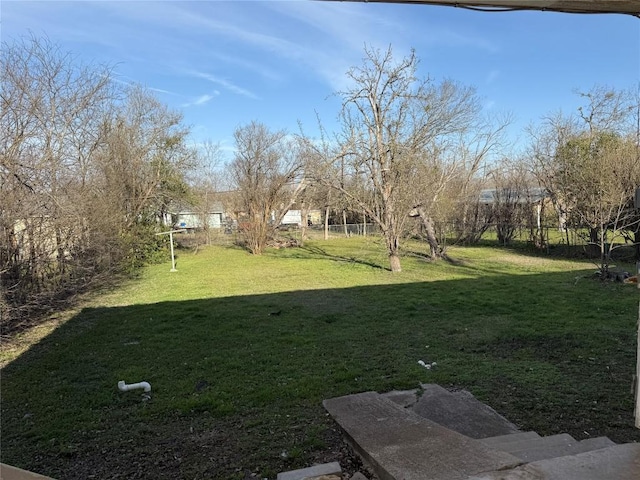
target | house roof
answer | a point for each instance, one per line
(532, 195)
(631, 7)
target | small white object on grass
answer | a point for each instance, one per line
(428, 366)
(123, 387)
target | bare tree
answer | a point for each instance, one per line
(50, 129)
(140, 173)
(404, 140)
(589, 164)
(145, 158)
(463, 140)
(206, 180)
(512, 200)
(381, 119)
(268, 171)
(66, 200)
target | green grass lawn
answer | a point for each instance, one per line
(240, 351)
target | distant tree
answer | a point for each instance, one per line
(463, 140)
(268, 172)
(206, 180)
(398, 145)
(141, 171)
(381, 120)
(589, 164)
(82, 165)
(473, 218)
(50, 128)
(512, 200)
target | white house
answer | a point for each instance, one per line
(191, 219)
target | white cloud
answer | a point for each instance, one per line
(161, 90)
(224, 83)
(331, 35)
(268, 39)
(202, 99)
(252, 65)
(126, 80)
(259, 40)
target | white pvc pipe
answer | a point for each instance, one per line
(125, 388)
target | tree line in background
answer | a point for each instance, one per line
(589, 163)
(419, 157)
(87, 168)
(90, 170)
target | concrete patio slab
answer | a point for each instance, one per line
(620, 462)
(315, 471)
(534, 449)
(462, 412)
(399, 444)
(7, 472)
(497, 442)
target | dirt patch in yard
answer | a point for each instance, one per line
(193, 448)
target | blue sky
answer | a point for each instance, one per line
(226, 63)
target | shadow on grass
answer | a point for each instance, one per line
(319, 252)
(623, 253)
(428, 258)
(237, 389)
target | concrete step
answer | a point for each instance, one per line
(399, 444)
(534, 449)
(619, 462)
(497, 442)
(535, 443)
(8, 472)
(597, 443)
(325, 470)
(462, 412)
(569, 449)
(404, 398)
(459, 411)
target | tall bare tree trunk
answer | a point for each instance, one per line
(344, 222)
(304, 212)
(394, 262)
(430, 232)
(393, 247)
(364, 224)
(326, 223)
(392, 238)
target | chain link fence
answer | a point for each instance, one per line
(547, 239)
